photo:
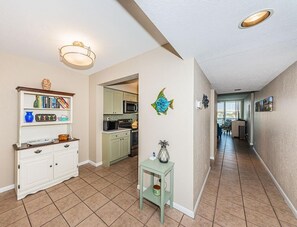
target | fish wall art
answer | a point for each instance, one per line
(161, 105)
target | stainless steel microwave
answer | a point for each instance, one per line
(130, 107)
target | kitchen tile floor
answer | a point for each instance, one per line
(238, 192)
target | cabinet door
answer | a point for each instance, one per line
(65, 162)
(115, 149)
(125, 146)
(108, 101)
(134, 98)
(36, 171)
(117, 102)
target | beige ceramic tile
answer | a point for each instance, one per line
(111, 191)
(103, 172)
(109, 212)
(8, 204)
(67, 202)
(59, 193)
(228, 220)
(7, 195)
(92, 221)
(112, 177)
(56, 222)
(96, 201)
(71, 180)
(144, 214)
(44, 215)
(123, 183)
(132, 190)
(24, 222)
(197, 222)
(31, 197)
(55, 187)
(127, 220)
(285, 224)
(84, 172)
(85, 192)
(77, 214)
(231, 208)
(206, 211)
(91, 178)
(76, 185)
(260, 219)
(12, 216)
(100, 184)
(259, 207)
(155, 221)
(173, 213)
(124, 200)
(208, 199)
(37, 204)
(286, 216)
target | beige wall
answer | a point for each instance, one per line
(156, 69)
(19, 71)
(201, 136)
(275, 137)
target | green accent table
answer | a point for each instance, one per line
(155, 167)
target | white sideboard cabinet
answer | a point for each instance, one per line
(41, 160)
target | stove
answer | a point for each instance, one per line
(127, 123)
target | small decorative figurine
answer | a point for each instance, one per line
(46, 84)
(161, 104)
(163, 154)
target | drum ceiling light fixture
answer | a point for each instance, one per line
(77, 55)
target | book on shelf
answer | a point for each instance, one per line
(63, 103)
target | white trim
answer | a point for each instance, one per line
(286, 198)
(7, 188)
(200, 194)
(212, 158)
(95, 164)
(251, 144)
(90, 162)
(83, 163)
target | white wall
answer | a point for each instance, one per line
(20, 71)
(201, 136)
(213, 124)
(156, 69)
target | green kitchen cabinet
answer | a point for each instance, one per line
(115, 146)
(113, 101)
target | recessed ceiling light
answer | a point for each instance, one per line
(255, 18)
(237, 89)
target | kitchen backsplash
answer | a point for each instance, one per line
(114, 117)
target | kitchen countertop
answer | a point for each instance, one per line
(116, 130)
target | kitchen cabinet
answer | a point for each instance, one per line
(113, 101)
(115, 146)
(130, 97)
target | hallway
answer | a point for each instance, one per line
(240, 192)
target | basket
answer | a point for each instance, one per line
(63, 137)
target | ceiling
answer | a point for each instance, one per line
(232, 97)
(230, 57)
(204, 29)
(36, 29)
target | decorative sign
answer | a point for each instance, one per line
(265, 105)
(45, 117)
(162, 104)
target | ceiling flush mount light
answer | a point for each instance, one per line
(255, 18)
(77, 55)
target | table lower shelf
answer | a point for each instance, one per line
(149, 195)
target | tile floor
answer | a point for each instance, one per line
(239, 192)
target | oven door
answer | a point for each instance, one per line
(134, 142)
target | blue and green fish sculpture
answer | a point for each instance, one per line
(162, 104)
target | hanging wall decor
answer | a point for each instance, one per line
(264, 105)
(162, 104)
(205, 101)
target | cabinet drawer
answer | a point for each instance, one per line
(66, 146)
(34, 152)
(119, 135)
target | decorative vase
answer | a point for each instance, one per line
(163, 154)
(29, 116)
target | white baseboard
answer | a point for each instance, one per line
(90, 162)
(286, 198)
(95, 164)
(7, 188)
(200, 194)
